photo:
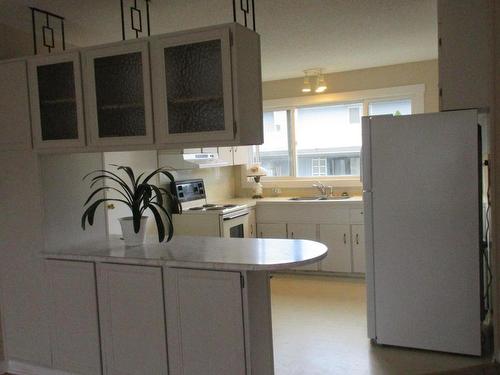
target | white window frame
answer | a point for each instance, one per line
(415, 93)
(320, 167)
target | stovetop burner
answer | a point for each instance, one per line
(208, 205)
(216, 208)
(229, 205)
(196, 208)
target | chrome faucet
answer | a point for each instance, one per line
(322, 188)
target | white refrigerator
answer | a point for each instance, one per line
(422, 197)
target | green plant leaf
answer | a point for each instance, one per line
(159, 223)
(173, 202)
(161, 170)
(169, 220)
(90, 211)
(138, 179)
(158, 196)
(105, 188)
(118, 180)
(128, 171)
(136, 214)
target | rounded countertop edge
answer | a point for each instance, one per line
(109, 249)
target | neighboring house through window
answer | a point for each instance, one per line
(320, 135)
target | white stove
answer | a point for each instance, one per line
(207, 219)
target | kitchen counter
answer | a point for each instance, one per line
(233, 254)
(253, 202)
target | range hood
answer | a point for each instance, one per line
(193, 159)
(205, 159)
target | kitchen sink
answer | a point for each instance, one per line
(304, 198)
(333, 198)
(318, 198)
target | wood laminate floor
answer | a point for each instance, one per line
(319, 328)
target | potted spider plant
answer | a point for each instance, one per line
(139, 195)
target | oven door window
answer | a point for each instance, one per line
(235, 227)
(238, 231)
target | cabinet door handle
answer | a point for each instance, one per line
(251, 229)
(357, 238)
(345, 238)
(292, 234)
(261, 235)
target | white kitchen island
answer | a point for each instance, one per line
(195, 305)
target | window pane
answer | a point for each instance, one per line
(390, 107)
(328, 140)
(274, 154)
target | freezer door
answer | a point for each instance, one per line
(425, 220)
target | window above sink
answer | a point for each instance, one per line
(318, 137)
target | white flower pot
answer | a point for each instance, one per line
(129, 236)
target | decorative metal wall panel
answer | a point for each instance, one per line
(48, 30)
(244, 12)
(135, 14)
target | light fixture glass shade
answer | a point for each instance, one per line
(256, 170)
(321, 85)
(307, 85)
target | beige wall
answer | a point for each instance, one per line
(425, 72)
(422, 72)
(18, 43)
(14, 43)
(219, 182)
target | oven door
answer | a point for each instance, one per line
(235, 225)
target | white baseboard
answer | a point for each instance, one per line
(21, 368)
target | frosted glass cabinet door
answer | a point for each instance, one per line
(192, 87)
(56, 101)
(118, 94)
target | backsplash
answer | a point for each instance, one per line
(244, 192)
(219, 182)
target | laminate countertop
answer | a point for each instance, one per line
(271, 200)
(236, 254)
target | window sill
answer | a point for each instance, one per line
(303, 182)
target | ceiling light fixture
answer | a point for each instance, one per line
(314, 77)
(320, 83)
(307, 83)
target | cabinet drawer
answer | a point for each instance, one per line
(357, 215)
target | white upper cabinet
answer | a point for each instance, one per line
(117, 88)
(237, 155)
(56, 101)
(14, 106)
(192, 87)
(207, 90)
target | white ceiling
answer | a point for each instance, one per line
(336, 35)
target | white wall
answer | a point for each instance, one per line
(64, 194)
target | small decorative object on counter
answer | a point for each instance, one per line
(256, 171)
(139, 196)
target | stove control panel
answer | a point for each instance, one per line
(189, 190)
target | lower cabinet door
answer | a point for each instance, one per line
(73, 317)
(303, 232)
(358, 248)
(132, 317)
(271, 230)
(338, 240)
(205, 320)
